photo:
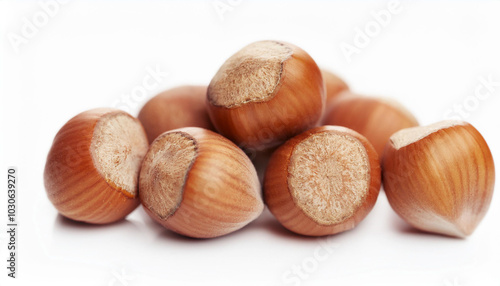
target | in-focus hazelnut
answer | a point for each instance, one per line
(199, 184)
(439, 178)
(266, 93)
(323, 181)
(93, 165)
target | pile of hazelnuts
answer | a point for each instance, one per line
(320, 154)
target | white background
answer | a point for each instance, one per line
(430, 56)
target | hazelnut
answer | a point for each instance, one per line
(323, 181)
(199, 184)
(93, 165)
(375, 118)
(334, 86)
(266, 93)
(183, 106)
(439, 178)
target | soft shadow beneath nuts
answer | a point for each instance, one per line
(166, 234)
(64, 224)
(63, 221)
(265, 222)
(148, 221)
(268, 222)
(405, 228)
